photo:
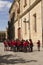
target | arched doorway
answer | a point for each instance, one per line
(19, 33)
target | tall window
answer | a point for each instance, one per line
(25, 24)
(25, 3)
(19, 7)
(35, 23)
(19, 33)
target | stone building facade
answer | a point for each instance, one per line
(28, 20)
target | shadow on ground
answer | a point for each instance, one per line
(5, 60)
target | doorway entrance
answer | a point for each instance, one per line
(19, 33)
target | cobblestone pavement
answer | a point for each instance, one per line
(21, 58)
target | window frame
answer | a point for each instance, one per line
(35, 25)
(25, 3)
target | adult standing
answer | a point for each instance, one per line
(31, 45)
(38, 45)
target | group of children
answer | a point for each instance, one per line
(17, 45)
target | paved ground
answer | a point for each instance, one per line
(21, 58)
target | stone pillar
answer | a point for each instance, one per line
(42, 19)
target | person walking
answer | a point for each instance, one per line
(38, 45)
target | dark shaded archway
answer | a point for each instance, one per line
(19, 33)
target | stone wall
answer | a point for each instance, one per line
(38, 34)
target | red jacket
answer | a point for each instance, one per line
(13, 43)
(5, 43)
(25, 44)
(9, 43)
(18, 43)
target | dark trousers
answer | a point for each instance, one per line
(18, 48)
(31, 49)
(25, 49)
(38, 48)
(14, 48)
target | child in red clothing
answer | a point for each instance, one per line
(9, 44)
(14, 46)
(25, 44)
(5, 45)
(18, 44)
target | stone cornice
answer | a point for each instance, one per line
(12, 5)
(31, 6)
